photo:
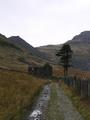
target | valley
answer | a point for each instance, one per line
(19, 89)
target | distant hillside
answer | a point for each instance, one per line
(80, 45)
(17, 54)
(4, 42)
(50, 50)
(82, 37)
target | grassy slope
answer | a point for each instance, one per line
(51, 51)
(58, 71)
(17, 91)
(9, 58)
(82, 105)
(15, 56)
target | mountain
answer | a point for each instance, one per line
(81, 50)
(16, 53)
(16, 40)
(80, 45)
(82, 37)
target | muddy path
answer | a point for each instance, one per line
(41, 105)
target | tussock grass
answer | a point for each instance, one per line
(58, 71)
(17, 91)
(82, 104)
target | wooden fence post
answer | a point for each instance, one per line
(89, 88)
(82, 88)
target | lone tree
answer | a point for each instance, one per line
(65, 54)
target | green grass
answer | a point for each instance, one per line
(82, 104)
(17, 92)
(53, 112)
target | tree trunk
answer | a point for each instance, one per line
(65, 73)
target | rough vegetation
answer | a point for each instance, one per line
(58, 71)
(17, 91)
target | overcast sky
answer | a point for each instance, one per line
(42, 22)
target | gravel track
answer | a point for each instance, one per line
(55, 105)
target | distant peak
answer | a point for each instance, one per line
(15, 37)
(83, 36)
(85, 33)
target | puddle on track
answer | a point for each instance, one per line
(41, 105)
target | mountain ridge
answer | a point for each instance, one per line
(18, 41)
(82, 37)
(16, 51)
(80, 45)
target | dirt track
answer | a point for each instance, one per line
(55, 105)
